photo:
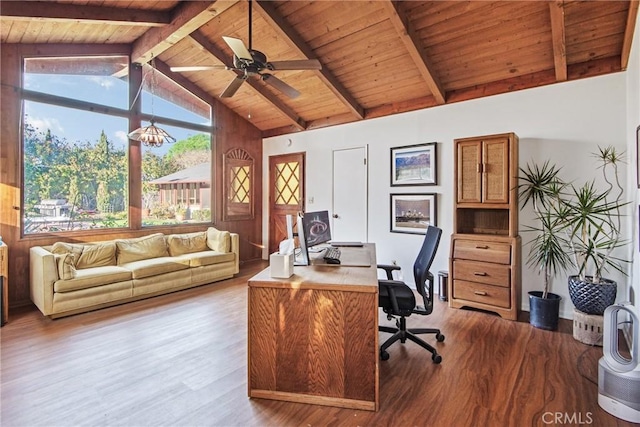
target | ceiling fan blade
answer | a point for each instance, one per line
(280, 85)
(198, 68)
(302, 64)
(233, 87)
(238, 48)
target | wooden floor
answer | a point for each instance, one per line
(181, 360)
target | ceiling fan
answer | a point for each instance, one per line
(248, 62)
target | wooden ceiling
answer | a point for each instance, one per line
(378, 57)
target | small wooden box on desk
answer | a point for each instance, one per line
(313, 338)
(4, 272)
(485, 247)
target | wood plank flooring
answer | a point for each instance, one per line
(181, 360)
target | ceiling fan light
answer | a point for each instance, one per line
(151, 136)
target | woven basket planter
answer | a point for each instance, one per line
(592, 298)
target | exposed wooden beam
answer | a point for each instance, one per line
(185, 82)
(268, 12)
(416, 50)
(187, 17)
(291, 115)
(62, 12)
(556, 10)
(628, 33)
(198, 38)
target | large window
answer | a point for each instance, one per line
(75, 147)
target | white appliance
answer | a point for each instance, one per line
(619, 377)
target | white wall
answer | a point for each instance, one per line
(633, 120)
(563, 122)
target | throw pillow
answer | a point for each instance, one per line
(66, 266)
(187, 243)
(130, 250)
(97, 255)
(67, 248)
(218, 240)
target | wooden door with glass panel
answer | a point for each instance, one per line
(286, 194)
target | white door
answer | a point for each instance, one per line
(350, 196)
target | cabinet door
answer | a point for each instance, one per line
(495, 177)
(469, 164)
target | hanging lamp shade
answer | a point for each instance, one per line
(151, 135)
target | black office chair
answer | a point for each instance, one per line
(397, 299)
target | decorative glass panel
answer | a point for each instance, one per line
(238, 185)
(287, 183)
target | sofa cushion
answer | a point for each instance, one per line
(88, 255)
(146, 247)
(187, 243)
(218, 240)
(66, 265)
(97, 255)
(155, 266)
(91, 277)
(207, 257)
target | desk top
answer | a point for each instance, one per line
(327, 277)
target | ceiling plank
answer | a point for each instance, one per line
(542, 78)
(187, 17)
(199, 39)
(628, 33)
(46, 10)
(556, 11)
(284, 30)
(412, 42)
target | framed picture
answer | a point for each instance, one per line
(414, 165)
(412, 213)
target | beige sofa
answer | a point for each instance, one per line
(68, 278)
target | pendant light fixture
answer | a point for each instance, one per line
(152, 135)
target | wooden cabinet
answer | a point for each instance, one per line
(485, 247)
(4, 272)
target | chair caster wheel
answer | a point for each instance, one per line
(436, 358)
(440, 337)
(384, 355)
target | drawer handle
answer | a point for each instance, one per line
(482, 247)
(481, 293)
(479, 273)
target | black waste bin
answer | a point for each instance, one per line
(443, 279)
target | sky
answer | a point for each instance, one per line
(79, 125)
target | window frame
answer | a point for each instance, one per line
(134, 117)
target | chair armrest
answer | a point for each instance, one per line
(388, 268)
(391, 285)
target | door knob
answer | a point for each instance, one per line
(335, 215)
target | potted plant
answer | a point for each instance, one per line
(592, 221)
(541, 187)
(181, 212)
(578, 227)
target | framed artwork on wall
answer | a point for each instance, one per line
(412, 213)
(414, 165)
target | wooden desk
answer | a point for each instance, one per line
(313, 338)
(4, 272)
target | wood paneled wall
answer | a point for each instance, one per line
(231, 131)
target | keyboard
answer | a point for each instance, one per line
(332, 255)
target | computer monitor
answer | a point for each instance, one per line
(313, 229)
(302, 255)
(316, 228)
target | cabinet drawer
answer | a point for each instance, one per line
(478, 292)
(477, 250)
(482, 272)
